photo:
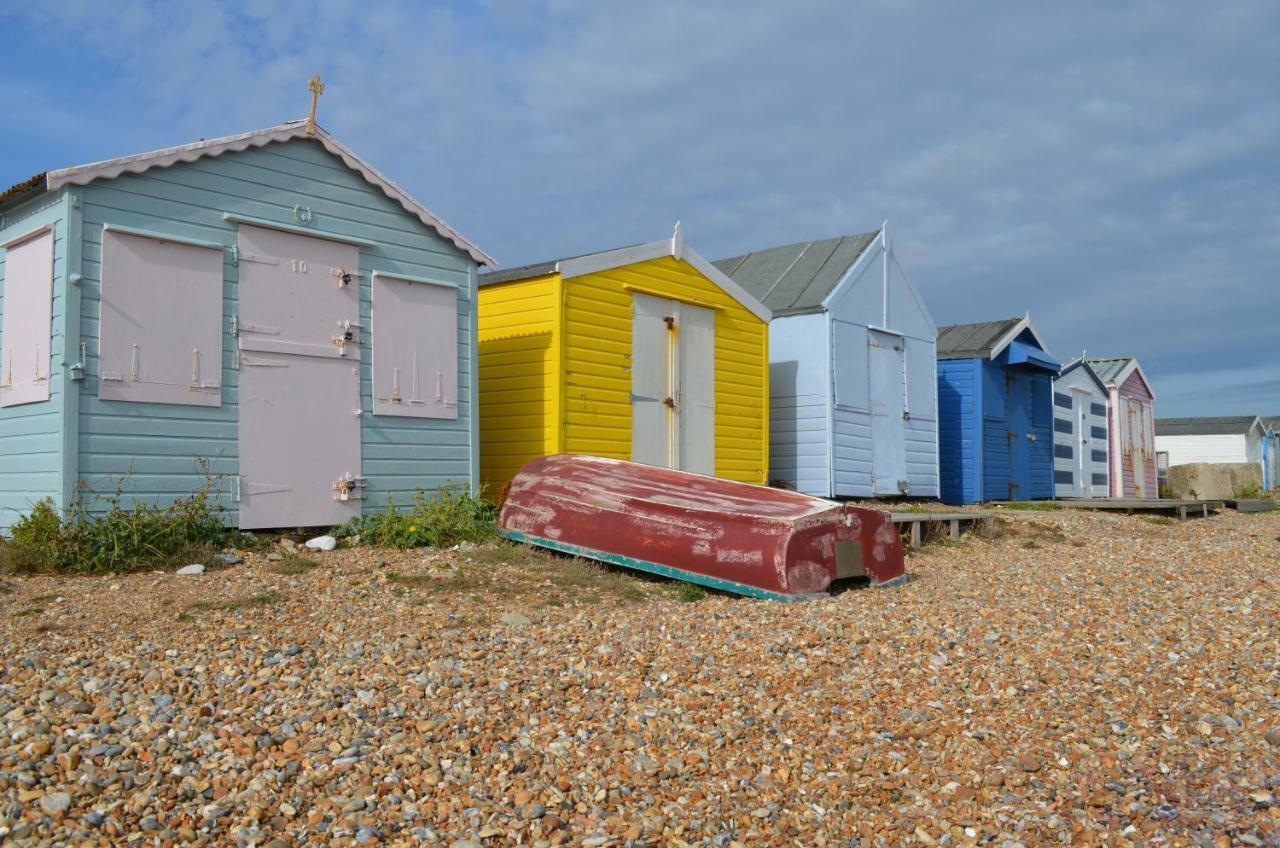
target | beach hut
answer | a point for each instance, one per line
(995, 412)
(646, 353)
(1080, 458)
(1130, 427)
(1213, 440)
(1271, 452)
(852, 385)
(262, 312)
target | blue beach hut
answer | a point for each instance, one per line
(995, 412)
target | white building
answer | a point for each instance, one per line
(1225, 439)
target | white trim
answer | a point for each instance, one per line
(603, 261)
(27, 236)
(723, 280)
(867, 255)
(1024, 323)
(166, 157)
(405, 278)
(593, 263)
(154, 236)
(295, 230)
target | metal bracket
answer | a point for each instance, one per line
(235, 254)
(349, 488)
(235, 488)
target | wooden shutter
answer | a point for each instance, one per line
(415, 348)
(161, 321)
(28, 320)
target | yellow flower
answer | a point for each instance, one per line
(412, 528)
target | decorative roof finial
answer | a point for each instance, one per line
(317, 88)
(677, 242)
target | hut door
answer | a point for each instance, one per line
(1020, 436)
(888, 432)
(299, 354)
(1084, 465)
(672, 384)
(1136, 442)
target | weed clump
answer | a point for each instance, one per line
(115, 540)
(441, 520)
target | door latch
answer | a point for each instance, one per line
(349, 488)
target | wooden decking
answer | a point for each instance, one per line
(1252, 504)
(1168, 506)
(955, 521)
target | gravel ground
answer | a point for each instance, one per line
(1080, 679)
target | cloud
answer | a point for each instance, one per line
(1110, 168)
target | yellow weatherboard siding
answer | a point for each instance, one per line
(597, 364)
(519, 384)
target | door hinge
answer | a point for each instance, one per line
(235, 254)
(235, 488)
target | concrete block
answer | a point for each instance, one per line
(1212, 481)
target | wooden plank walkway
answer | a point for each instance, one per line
(1252, 504)
(1181, 508)
(955, 521)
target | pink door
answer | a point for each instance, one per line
(299, 380)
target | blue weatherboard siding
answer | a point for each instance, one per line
(959, 423)
(156, 445)
(31, 435)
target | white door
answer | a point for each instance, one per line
(888, 434)
(299, 380)
(672, 384)
(1084, 464)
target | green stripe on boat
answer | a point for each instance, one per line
(656, 568)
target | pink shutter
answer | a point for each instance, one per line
(28, 320)
(161, 327)
(415, 348)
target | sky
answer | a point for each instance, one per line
(1112, 168)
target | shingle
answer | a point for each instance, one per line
(972, 341)
(796, 277)
(1108, 368)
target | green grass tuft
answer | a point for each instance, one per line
(293, 563)
(1034, 506)
(441, 520)
(689, 593)
(116, 539)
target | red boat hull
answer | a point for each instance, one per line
(734, 536)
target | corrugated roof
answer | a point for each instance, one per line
(168, 156)
(1223, 425)
(797, 277)
(972, 341)
(534, 269)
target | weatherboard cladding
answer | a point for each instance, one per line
(49, 448)
(797, 277)
(978, 397)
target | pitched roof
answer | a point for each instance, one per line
(165, 157)
(1222, 425)
(1115, 370)
(1081, 362)
(797, 277)
(974, 341)
(589, 263)
(1272, 422)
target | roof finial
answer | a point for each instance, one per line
(317, 88)
(677, 242)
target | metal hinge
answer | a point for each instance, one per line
(235, 488)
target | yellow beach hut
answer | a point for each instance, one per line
(647, 353)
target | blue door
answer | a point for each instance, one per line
(1020, 436)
